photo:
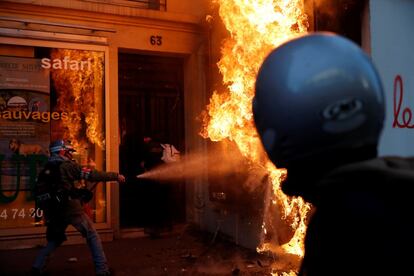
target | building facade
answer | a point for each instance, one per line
(84, 70)
(106, 73)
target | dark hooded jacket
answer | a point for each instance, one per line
(363, 221)
(70, 172)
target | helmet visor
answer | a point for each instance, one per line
(69, 147)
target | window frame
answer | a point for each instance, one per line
(19, 231)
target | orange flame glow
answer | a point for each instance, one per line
(80, 95)
(256, 28)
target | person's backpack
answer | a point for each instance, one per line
(48, 194)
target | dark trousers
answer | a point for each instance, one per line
(55, 234)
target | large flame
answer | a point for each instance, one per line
(80, 95)
(256, 27)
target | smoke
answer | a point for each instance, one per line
(339, 16)
(216, 163)
(326, 15)
(223, 160)
(325, 6)
(190, 166)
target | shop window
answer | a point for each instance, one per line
(47, 94)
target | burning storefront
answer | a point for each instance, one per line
(63, 100)
(107, 79)
(96, 74)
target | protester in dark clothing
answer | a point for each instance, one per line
(65, 205)
(160, 216)
(319, 111)
(152, 153)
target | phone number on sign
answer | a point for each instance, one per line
(16, 213)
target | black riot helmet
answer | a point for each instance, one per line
(61, 145)
(317, 95)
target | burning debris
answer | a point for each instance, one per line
(256, 27)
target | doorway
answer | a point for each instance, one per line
(151, 104)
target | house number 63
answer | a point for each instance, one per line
(156, 40)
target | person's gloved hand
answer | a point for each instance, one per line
(121, 178)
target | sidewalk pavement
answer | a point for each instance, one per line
(186, 253)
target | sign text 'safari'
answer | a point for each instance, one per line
(66, 64)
